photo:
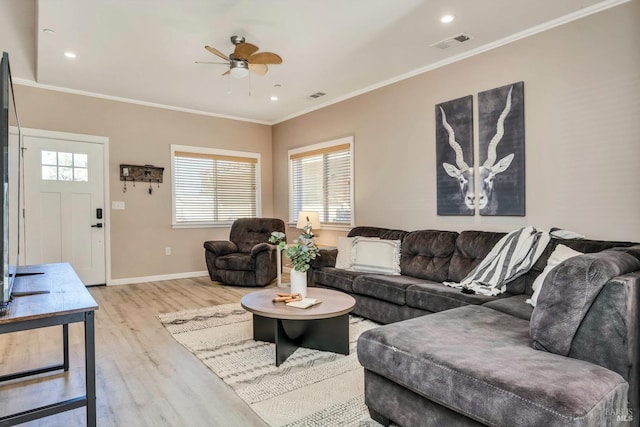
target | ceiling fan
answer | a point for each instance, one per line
(244, 58)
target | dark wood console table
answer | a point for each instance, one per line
(52, 295)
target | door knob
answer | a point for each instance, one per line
(98, 225)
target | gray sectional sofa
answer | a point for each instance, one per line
(449, 358)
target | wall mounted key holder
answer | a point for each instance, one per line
(136, 173)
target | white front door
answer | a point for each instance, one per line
(63, 201)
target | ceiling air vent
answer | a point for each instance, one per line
(316, 95)
(452, 41)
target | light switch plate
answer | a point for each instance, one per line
(117, 206)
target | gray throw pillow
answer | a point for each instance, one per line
(569, 290)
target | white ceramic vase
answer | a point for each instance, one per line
(299, 282)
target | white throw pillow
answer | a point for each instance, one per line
(372, 255)
(560, 254)
(343, 259)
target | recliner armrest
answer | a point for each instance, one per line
(261, 247)
(220, 247)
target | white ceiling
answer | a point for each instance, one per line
(145, 50)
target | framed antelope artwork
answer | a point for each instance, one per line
(497, 185)
(454, 157)
(501, 185)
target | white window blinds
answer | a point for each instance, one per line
(214, 187)
(322, 181)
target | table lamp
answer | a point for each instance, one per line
(308, 217)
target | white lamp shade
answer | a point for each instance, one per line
(308, 217)
(239, 69)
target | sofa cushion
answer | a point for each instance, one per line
(387, 288)
(477, 361)
(236, 261)
(471, 248)
(433, 296)
(608, 335)
(382, 233)
(515, 306)
(560, 254)
(325, 258)
(335, 278)
(580, 245)
(512, 257)
(427, 253)
(569, 291)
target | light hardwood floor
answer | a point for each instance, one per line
(143, 376)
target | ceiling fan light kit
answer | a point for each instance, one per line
(244, 58)
(239, 68)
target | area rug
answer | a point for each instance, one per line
(311, 388)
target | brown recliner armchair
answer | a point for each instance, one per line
(247, 259)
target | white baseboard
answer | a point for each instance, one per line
(132, 280)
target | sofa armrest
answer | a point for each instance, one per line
(220, 247)
(325, 258)
(261, 247)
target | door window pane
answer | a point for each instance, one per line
(49, 158)
(65, 159)
(61, 166)
(65, 174)
(80, 160)
(80, 174)
(50, 173)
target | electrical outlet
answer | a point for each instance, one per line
(167, 250)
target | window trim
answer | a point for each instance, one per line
(256, 157)
(312, 150)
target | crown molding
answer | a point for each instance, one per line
(25, 82)
(481, 49)
(599, 7)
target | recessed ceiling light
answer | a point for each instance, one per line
(273, 98)
(446, 19)
(48, 31)
(70, 55)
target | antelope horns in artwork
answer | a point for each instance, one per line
(462, 165)
(491, 148)
(489, 169)
(463, 173)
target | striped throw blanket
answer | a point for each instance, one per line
(510, 258)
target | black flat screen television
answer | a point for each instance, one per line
(9, 235)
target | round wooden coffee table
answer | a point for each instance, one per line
(324, 326)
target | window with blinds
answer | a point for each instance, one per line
(214, 187)
(321, 180)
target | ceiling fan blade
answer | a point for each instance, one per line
(216, 52)
(226, 73)
(265, 58)
(209, 62)
(244, 50)
(260, 69)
